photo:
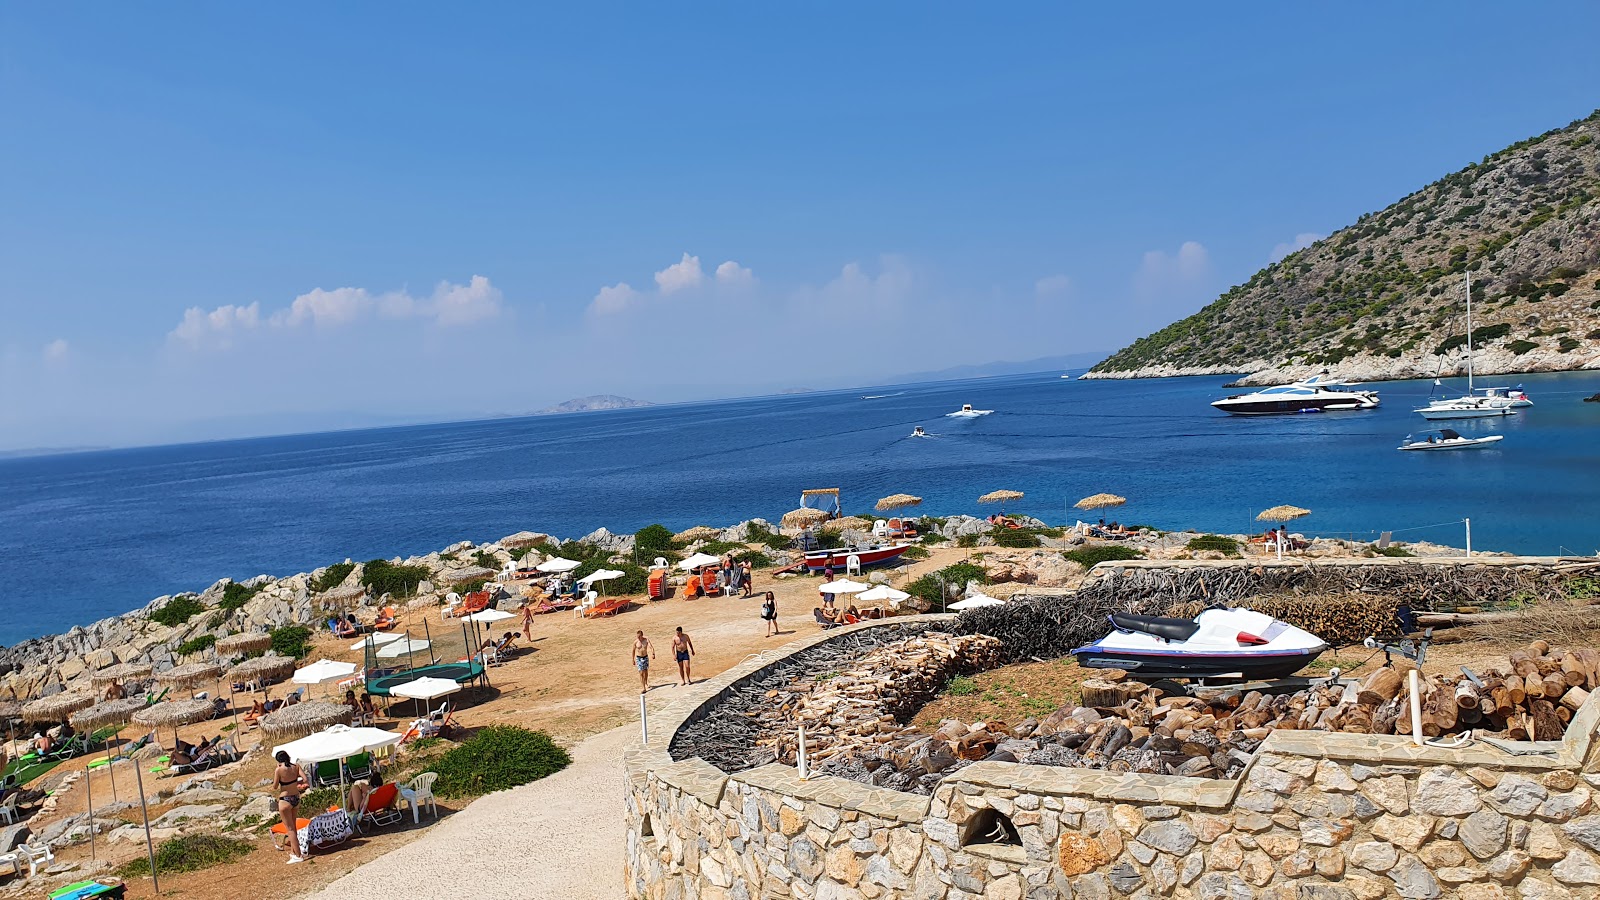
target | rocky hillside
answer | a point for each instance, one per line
(592, 403)
(1383, 298)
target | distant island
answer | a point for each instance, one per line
(592, 403)
(1384, 298)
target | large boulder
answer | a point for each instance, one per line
(605, 540)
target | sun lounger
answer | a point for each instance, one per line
(358, 766)
(823, 620)
(325, 831)
(610, 607)
(380, 808)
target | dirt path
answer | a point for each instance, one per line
(558, 838)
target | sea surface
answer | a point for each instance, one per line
(88, 535)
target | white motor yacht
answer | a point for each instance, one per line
(1517, 397)
(967, 412)
(1448, 439)
(1312, 395)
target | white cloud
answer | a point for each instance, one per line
(613, 299)
(55, 351)
(685, 273)
(1301, 241)
(731, 273)
(1161, 274)
(449, 305)
(1052, 286)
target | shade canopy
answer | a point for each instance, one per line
(324, 670)
(557, 564)
(377, 639)
(975, 601)
(342, 596)
(804, 516)
(120, 672)
(301, 719)
(425, 688)
(698, 533)
(403, 647)
(486, 616)
(1000, 496)
(1282, 513)
(698, 560)
(847, 522)
(897, 501)
(843, 587)
(1100, 501)
(111, 712)
(190, 674)
(337, 742)
(600, 575)
(55, 709)
(262, 668)
(883, 592)
(248, 642)
(173, 713)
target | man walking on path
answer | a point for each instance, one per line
(682, 649)
(643, 652)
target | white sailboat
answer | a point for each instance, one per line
(1471, 406)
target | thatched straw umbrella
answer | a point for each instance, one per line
(1282, 513)
(846, 523)
(190, 674)
(173, 713)
(1000, 497)
(804, 517)
(343, 597)
(120, 672)
(111, 712)
(1100, 501)
(302, 719)
(248, 642)
(10, 709)
(897, 501)
(55, 709)
(698, 533)
(263, 669)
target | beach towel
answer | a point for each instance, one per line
(325, 830)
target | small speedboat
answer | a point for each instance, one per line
(867, 555)
(967, 412)
(1218, 643)
(1448, 439)
(918, 432)
(1517, 397)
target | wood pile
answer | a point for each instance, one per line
(1339, 619)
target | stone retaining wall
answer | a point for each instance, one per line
(1316, 816)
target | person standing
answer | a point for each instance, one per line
(290, 781)
(682, 649)
(643, 652)
(745, 577)
(527, 620)
(769, 613)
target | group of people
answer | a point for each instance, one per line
(348, 626)
(361, 710)
(187, 754)
(644, 651)
(261, 707)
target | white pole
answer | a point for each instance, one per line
(88, 785)
(1414, 683)
(149, 844)
(800, 757)
(644, 723)
(1468, 523)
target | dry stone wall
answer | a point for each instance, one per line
(1315, 816)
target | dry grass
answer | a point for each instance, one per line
(1560, 624)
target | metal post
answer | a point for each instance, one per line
(644, 723)
(88, 785)
(1468, 523)
(800, 756)
(144, 809)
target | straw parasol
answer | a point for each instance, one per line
(302, 719)
(120, 672)
(190, 674)
(1000, 497)
(698, 533)
(10, 709)
(804, 517)
(56, 708)
(847, 522)
(1282, 513)
(1100, 501)
(173, 713)
(342, 596)
(111, 712)
(897, 501)
(263, 669)
(248, 642)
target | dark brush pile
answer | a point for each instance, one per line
(1040, 627)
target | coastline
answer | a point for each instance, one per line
(1257, 373)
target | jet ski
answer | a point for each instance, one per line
(918, 432)
(1218, 643)
(967, 412)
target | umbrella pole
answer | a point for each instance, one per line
(88, 785)
(149, 845)
(110, 770)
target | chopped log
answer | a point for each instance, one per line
(1564, 714)
(1523, 664)
(1517, 726)
(1515, 693)
(1572, 669)
(1380, 687)
(1386, 716)
(1573, 698)
(1111, 675)
(1358, 719)
(1554, 686)
(1538, 648)
(1467, 695)
(1108, 694)
(1591, 667)
(1547, 725)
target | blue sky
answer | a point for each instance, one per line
(218, 221)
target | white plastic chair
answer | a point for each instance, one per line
(419, 792)
(8, 810)
(880, 528)
(36, 855)
(852, 565)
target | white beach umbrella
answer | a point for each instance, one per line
(488, 616)
(425, 688)
(698, 560)
(377, 639)
(600, 575)
(324, 670)
(338, 742)
(402, 648)
(883, 592)
(843, 587)
(557, 564)
(975, 601)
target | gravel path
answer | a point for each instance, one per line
(558, 838)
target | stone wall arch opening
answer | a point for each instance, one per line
(990, 827)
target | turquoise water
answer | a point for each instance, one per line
(89, 535)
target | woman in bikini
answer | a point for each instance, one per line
(290, 781)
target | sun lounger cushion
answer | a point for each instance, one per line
(326, 830)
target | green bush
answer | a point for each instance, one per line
(961, 686)
(718, 548)
(497, 758)
(654, 540)
(1015, 538)
(829, 540)
(962, 572)
(967, 541)
(1391, 550)
(291, 640)
(915, 552)
(319, 799)
(755, 558)
(520, 552)
(766, 536)
(1213, 542)
(1089, 557)
(1567, 345)
(384, 577)
(236, 595)
(189, 853)
(1520, 347)
(197, 644)
(486, 559)
(933, 537)
(928, 588)
(332, 576)
(178, 610)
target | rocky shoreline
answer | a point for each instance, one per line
(1494, 361)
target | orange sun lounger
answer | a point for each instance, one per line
(607, 608)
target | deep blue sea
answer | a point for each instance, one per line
(84, 536)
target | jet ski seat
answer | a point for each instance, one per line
(1157, 626)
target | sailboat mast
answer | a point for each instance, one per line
(1469, 334)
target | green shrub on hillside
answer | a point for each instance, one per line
(178, 610)
(497, 758)
(384, 577)
(485, 559)
(1391, 550)
(1015, 538)
(189, 853)
(197, 644)
(236, 595)
(291, 640)
(654, 540)
(1089, 557)
(1520, 347)
(1213, 542)
(332, 577)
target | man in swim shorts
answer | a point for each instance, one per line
(643, 652)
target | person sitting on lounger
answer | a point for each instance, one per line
(386, 619)
(257, 710)
(368, 711)
(271, 706)
(343, 628)
(361, 790)
(42, 744)
(351, 701)
(507, 643)
(115, 691)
